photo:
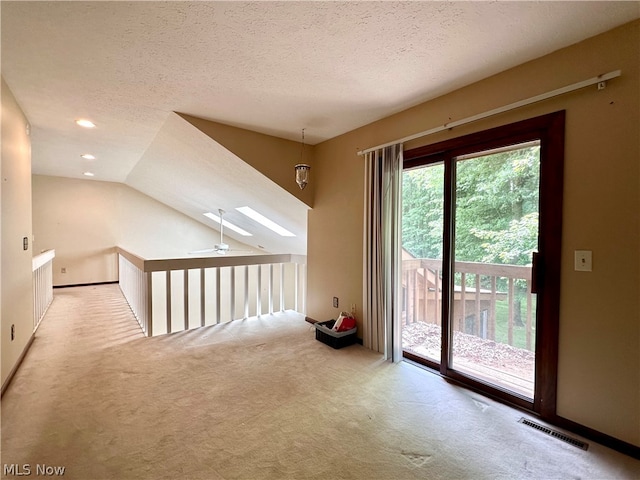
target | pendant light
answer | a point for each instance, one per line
(302, 169)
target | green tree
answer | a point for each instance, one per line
(495, 212)
(422, 207)
(493, 192)
(514, 245)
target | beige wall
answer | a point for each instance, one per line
(84, 219)
(16, 283)
(599, 344)
(273, 157)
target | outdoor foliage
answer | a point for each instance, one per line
(496, 217)
(496, 210)
(422, 209)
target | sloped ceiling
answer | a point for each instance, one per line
(191, 172)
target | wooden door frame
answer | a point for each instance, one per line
(549, 129)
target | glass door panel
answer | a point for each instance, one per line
(422, 230)
(493, 309)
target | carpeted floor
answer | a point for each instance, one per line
(255, 399)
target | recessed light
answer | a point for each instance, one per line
(264, 221)
(88, 156)
(231, 226)
(88, 174)
(85, 123)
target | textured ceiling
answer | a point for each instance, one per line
(272, 67)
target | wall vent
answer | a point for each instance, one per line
(554, 433)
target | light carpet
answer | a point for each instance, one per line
(256, 399)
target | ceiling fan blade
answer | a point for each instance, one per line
(220, 248)
(206, 250)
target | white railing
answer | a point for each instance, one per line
(42, 285)
(172, 295)
(134, 285)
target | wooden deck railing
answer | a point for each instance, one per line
(42, 285)
(475, 297)
(179, 294)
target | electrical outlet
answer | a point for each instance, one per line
(335, 302)
(13, 332)
(353, 310)
(63, 270)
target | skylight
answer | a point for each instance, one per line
(231, 226)
(264, 221)
(83, 122)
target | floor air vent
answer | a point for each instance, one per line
(559, 435)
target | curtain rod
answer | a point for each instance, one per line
(600, 79)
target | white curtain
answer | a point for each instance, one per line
(382, 252)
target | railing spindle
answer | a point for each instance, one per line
(491, 327)
(185, 296)
(296, 275)
(416, 294)
(168, 299)
(149, 302)
(202, 298)
(477, 312)
(411, 297)
(463, 303)
(232, 293)
(438, 314)
(259, 292)
(511, 300)
(529, 315)
(246, 291)
(270, 288)
(218, 309)
(425, 293)
(282, 306)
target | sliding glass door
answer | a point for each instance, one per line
(422, 231)
(495, 236)
(480, 224)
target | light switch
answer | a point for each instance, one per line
(582, 261)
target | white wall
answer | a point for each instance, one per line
(16, 279)
(84, 219)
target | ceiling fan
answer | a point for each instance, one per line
(219, 248)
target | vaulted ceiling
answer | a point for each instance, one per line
(269, 67)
